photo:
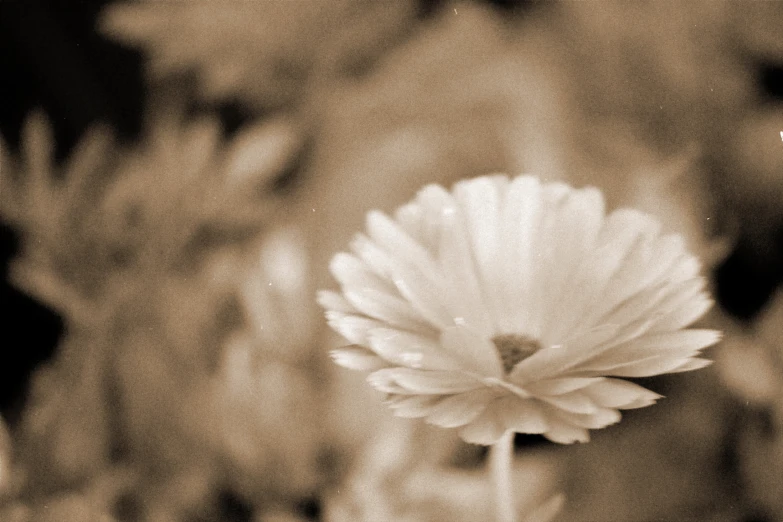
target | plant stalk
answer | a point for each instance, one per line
(501, 457)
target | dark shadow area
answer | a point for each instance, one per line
(53, 60)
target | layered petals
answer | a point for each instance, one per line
(512, 304)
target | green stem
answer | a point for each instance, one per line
(501, 456)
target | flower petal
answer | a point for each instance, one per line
(665, 351)
(686, 313)
(420, 287)
(411, 350)
(642, 304)
(520, 216)
(521, 415)
(486, 429)
(553, 360)
(547, 268)
(561, 386)
(646, 269)
(679, 293)
(600, 418)
(333, 301)
(621, 230)
(413, 220)
(357, 358)
(579, 221)
(388, 235)
(564, 432)
(574, 402)
(354, 328)
(412, 269)
(387, 308)
(481, 200)
(412, 406)
(639, 403)
(475, 352)
(619, 393)
(456, 259)
(460, 409)
(429, 382)
(376, 258)
(654, 366)
(692, 364)
(351, 272)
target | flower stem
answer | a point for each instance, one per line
(501, 455)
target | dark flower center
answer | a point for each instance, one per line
(514, 348)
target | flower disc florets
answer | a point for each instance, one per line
(511, 304)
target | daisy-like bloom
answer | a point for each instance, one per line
(511, 304)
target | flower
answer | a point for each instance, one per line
(512, 304)
(88, 227)
(263, 53)
(400, 474)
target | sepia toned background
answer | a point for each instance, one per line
(175, 177)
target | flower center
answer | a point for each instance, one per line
(514, 348)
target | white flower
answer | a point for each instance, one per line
(509, 304)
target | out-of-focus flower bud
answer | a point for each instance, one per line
(749, 370)
(264, 53)
(756, 160)
(396, 478)
(64, 435)
(260, 153)
(277, 296)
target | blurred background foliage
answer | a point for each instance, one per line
(176, 175)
